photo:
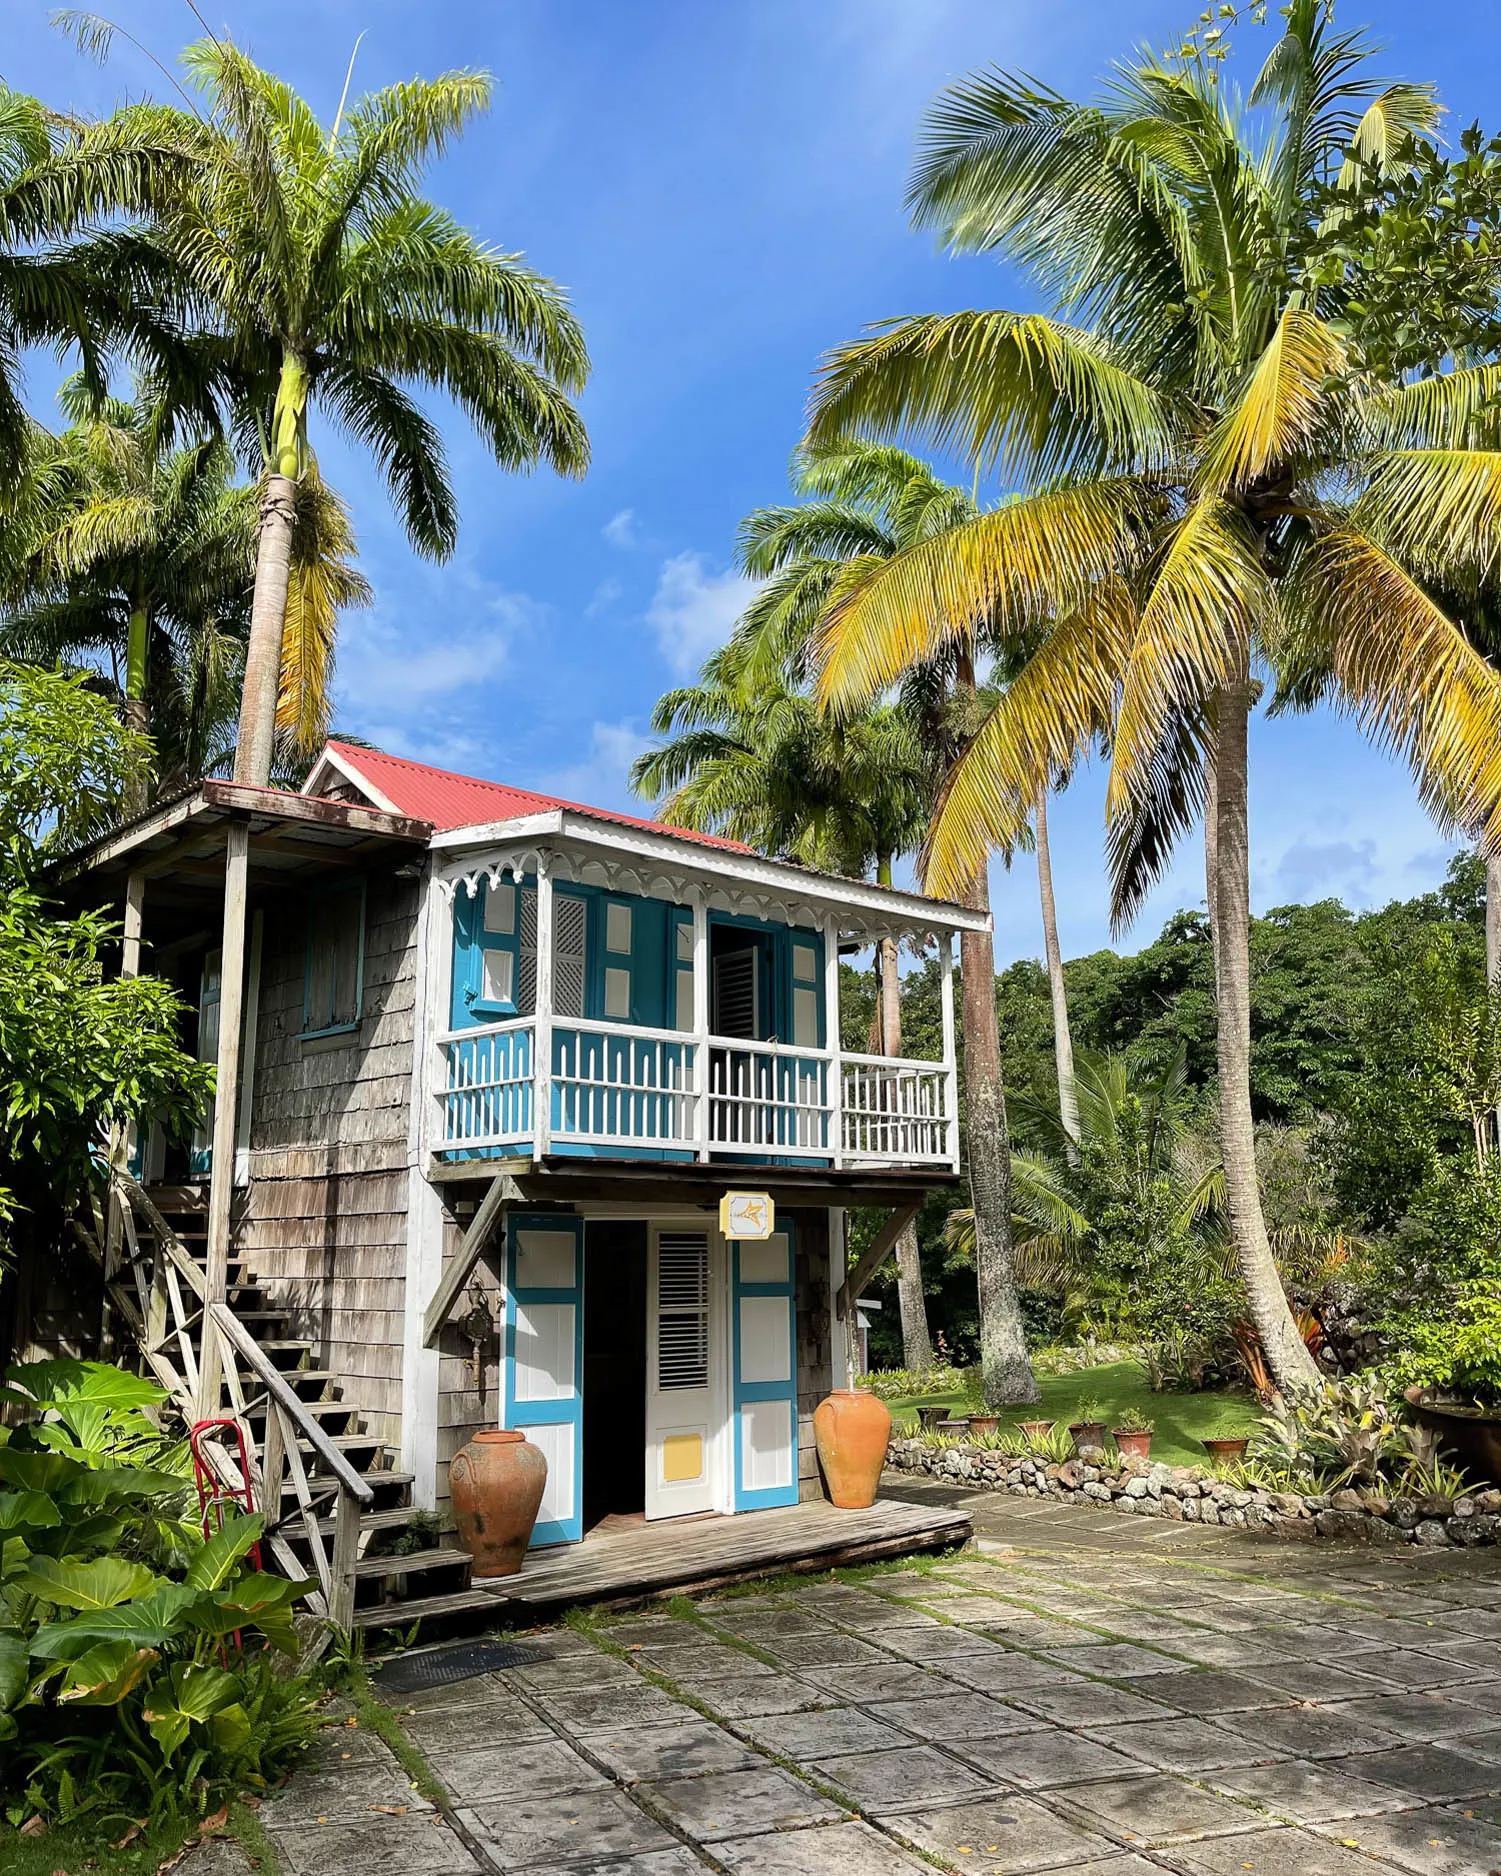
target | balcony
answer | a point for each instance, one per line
(619, 1089)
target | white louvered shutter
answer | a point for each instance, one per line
(569, 921)
(682, 1310)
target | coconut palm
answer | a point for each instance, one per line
(868, 502)
(1219, 489)
(314, 276)
(126, 549)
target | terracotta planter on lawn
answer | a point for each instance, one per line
(928, 1418)
(1132, 1445)
(852, 1429)
(496, 1482)
(1226, 1452)
(1035, 1429)
(983, 1423)
(1088, 1434)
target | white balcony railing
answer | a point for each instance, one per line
(616, 1085)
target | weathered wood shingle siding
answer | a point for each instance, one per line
(324, 1220)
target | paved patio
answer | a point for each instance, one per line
(1083, 1694)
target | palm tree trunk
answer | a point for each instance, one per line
(917, 1344)
(1063, 1041)
(268, 612)
(1006, 1373)
(1286, 1353)
(137, 712)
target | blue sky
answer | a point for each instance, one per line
(718, 183)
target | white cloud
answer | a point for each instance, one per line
(620, 529)
(386, 664)
(604, 596)
(602, 778)
(693, 609)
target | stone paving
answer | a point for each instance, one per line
(1064, 1697)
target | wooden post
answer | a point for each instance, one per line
(345, 1554)
(135, 904)
(222, 1165)
(542, 1021)
(833, 1040)
(701, 1021)
(950, 1048)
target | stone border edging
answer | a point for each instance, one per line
(1192, 1495)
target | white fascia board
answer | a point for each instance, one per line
(744, 869)
(332, 760)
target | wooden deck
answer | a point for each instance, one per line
(627, 1563)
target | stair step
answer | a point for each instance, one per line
(383, 1484)
(315, 1409)
(274, 1348)
(392, 1614)
(444, 1557)
(395, 1519)
(248, 1316)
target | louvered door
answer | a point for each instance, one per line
(684, 1372)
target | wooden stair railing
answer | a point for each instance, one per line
(295, 1453)
(302, 1482)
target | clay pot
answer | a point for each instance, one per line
(1132, 1445)
(1471, 1437)
(1035, 1429)
(852, 1430)
(496, 1483)
(928, 1418)
(983, 1423)
(1089, 1435)
(1226, 1451)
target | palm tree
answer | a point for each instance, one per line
(1219, 487)
(1110, 1211)
(870, 503)
(313, 275)
(124, 547)
(760, 763)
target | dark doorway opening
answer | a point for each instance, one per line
(614, 1370)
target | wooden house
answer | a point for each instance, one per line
(496, 1062)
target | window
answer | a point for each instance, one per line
(680, 926)
(502, 972)
(804, 993)
(335, 961)
(619, 930)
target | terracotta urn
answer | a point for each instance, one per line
(1089, 1435)
(983, 1423)
(496, 1483)
(1226, 1451)
(852, 1429)
(1035, 1429)
(1132, 1445)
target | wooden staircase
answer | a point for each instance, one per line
(336, 1508)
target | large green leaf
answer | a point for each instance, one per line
(27, 1512)
(149, 1623)
(213, 1566)
(230, 1730)
(103, 1584)
(107, 1482)
(13, 1669)
(31, 1471)
(106, 1674)
(204, 1691)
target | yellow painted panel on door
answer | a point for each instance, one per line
(682, 1458)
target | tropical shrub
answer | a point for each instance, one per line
(137, 1657)
(899, 1383)
(1346, 1433)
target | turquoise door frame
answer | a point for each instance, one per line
(544, 1359)
(763, 1320)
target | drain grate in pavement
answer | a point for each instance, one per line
(458, 1661)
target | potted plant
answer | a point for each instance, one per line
(1035, 1430)
(1133, 1435)
(1469, 1431)
(1225, 1447)
(984, 1423)
(1089, 1428)
(928, 1417)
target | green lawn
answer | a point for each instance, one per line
(1181, 1420)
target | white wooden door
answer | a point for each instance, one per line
(684, 1371)
(545, 1360)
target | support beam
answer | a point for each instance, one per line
(503, 1194)
(135, 906)
(226, 1081)
(856, 1283)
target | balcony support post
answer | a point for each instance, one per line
(833, 1041)
(950, 1047)
(542, 1030)
(701, 1023)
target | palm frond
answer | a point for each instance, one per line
(1282, 408)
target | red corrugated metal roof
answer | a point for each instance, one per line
(450, 801)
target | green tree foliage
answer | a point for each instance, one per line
(80, 1052)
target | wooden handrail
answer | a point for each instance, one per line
(250, 1351)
